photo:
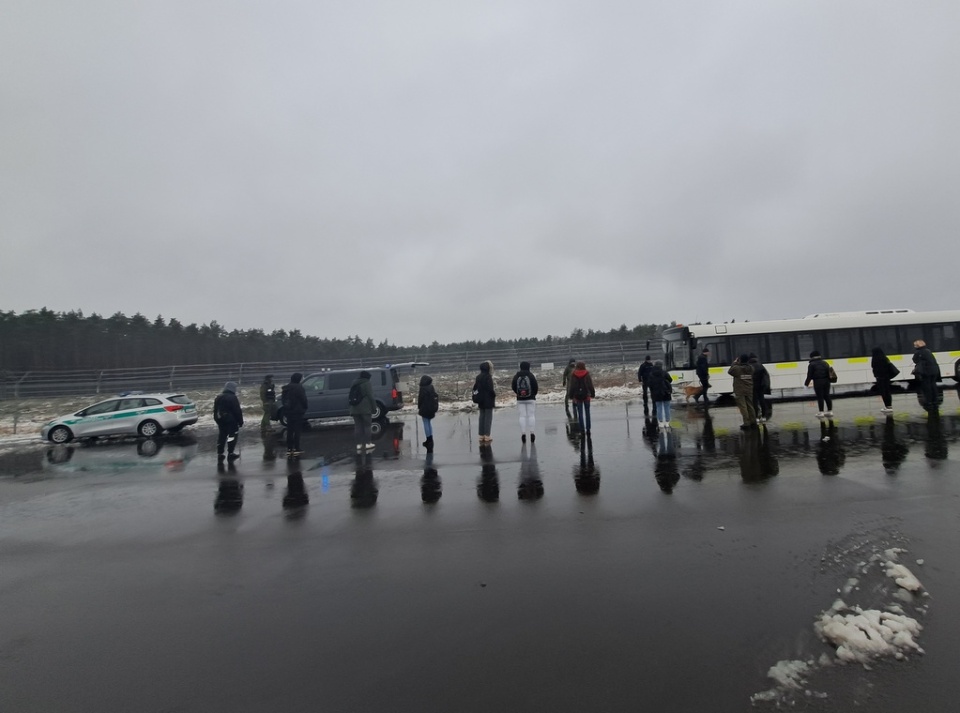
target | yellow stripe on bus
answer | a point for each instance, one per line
(788, 365)
(858, 360)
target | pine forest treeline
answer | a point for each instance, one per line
(44, 340)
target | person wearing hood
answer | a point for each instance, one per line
(927, 372)
(525, 386)
(293, 398)
(580, 390)
(485, 397)
(268, 399)
(362, 408)
(818, 373)
(883, 371)
(642, 373)
(228, 416)
(661, 391)
(761, 389)
(742, 373)
(703, 373)
(428, 403)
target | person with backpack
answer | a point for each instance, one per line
(761, 389)
(428, 403)
(485, 397)
(818, 373)
(268, 400)
(883, 371)
(228, 416)
(927, 372)
(525, 386)
(661, 391)
(293, 399)
(362, 405)
(742, 372)
(642, 374)
(580, 390)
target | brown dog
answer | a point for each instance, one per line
(689, 391)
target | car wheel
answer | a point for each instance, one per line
(378, 411)
(60, 434)
(149, 429)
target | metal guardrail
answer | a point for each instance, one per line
(37, 384)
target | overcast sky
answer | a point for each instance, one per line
(447, 170)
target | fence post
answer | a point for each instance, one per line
(99, 381)
(623, 362)
(173, 371)
(16, 387)
(240, 375)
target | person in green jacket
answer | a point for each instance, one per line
(362, 411)
(742, 374)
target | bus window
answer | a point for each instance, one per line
(883, 337)
(750, 344)
(719, 352)
(842, 343)
(942, 337)
(781, 348)
(805, 344)
(908, 335)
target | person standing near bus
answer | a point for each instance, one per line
(761, 389)
(927, 372)
(642, 373)
(703, 373)
(742, 374)
(662, 392)
(883, 372)
(818, 373)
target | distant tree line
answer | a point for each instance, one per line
(44, 340)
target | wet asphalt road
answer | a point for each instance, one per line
(136, 577)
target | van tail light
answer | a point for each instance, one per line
(394, 394)
(171, 409)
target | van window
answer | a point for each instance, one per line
(314, 383)
(342, 379)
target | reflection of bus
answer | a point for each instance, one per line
(845, 339)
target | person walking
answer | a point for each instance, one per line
(703, 373)
(428, 403)
(818, 373)
(485, 397)
(566, 384)
(525, 386)
(927, 372)
(580, 390)
(662, 393)
(645, 368)
(761, 389)
(228, 416)
(268, 400)
(293, 399)
(362, 407)
(883, 371)
(742, 373)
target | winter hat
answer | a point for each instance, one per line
(230, 386)
(524, 366)
(647, 358)
(581, 365)
(364, 374)
(268, 377)
(814, 354)
(485, 366)
(744, 358)
(295, 379)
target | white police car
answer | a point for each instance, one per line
(145, 415)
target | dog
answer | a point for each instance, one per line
(693, 391)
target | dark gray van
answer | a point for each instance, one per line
(327, 392)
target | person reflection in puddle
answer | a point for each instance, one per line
(295, 499)
(488, 486)
(229, 498)
(750, 470)
(430, 486)
(769, 463)
(530, 486)
(893, 451)
(363, 489)
(666, 471)
(830, 455)
(586, 475)
(936, 448)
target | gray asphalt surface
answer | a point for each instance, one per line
(139, 577)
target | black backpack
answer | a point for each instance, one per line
(580, 389)
(355, 397)
(523, 387)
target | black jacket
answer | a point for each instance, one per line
(926, 364)
(761, 378)
(883, 368)
(817, 370)
(644, 371)
(533, 385)
(486, 395)
(428, 403)
(293, 399)
(226, 409)
(703, 368)
(659, 382)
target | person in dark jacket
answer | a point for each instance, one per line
(294, 401)
(571, 365)
(927, 372)
(703, 373)
(428, 403)
(580, 390)
(228, 416)
(485, 397)
(525, 386)
(363, 412)
(761, 389)
(742, 373)
(642, 374)
(662, 392)
(268, 400)
(883, 372)
(818, 374)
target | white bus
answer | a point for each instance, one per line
(844, 339)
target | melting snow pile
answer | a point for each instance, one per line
(857, 635)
